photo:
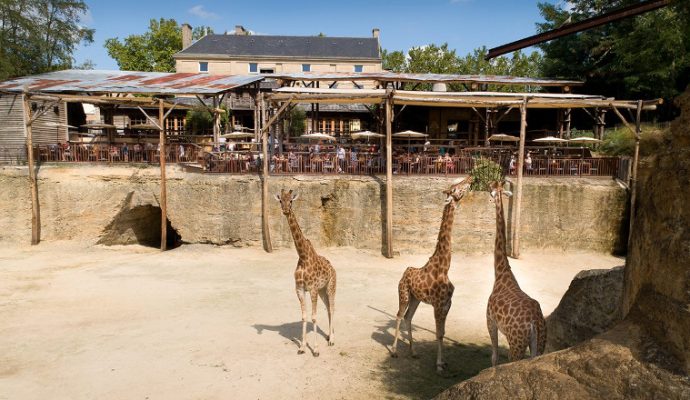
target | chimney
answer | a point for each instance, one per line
(375, 33)
(239, 30)
(186, 35)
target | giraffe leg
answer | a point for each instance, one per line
(412, 308)
(313, 294)
(440, 313)
(404, 301)
(328, 302)
(493, 334)
(300, 296)
(518, 343)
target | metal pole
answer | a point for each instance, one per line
(389, 179)
(161, 157)
(515, 248)
(33, 183)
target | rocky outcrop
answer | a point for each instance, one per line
(590, 306)
(612, 366)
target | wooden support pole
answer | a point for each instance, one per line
(636, 160)
(515, 248)
(33, 182)
(161, 158)
(388, 249)
(265, 229)
(216, 121)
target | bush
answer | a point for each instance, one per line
(621, 141)
(199, 121)
(484, 172)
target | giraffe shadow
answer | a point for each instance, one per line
(416, 378)
(291, 331)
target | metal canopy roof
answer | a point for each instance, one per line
(111, 82)
(386, 76)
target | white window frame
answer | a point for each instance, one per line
(203, 62)
(308, 67)
(249, 68)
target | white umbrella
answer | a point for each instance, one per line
(584, 139)
(237, 135)
(60, 125)
(366, 135)
(550, 139)
(502, 137)
(409, 134)
(317, 136)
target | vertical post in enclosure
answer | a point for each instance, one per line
(388, 250)
(515, 247)
(161, 158)
(33, 183)
(636, 160)
(265, 229)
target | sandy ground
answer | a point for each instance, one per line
(205, 322)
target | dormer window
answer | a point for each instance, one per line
(306, 67)
(203, 66)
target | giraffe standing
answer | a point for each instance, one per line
(511, 310)
(314, 274)
(430, 283)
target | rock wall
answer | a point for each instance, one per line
(79, 202)
(657, 276)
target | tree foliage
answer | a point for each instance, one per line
(442, 60)
(645, 56)
(151, 51)
(40, 35)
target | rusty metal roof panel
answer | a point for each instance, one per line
(103, 81)
(386, 76)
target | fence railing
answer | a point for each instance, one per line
(115, 153)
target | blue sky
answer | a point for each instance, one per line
(464, 24)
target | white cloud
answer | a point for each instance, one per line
(200, 12)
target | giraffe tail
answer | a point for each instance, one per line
(533, 339)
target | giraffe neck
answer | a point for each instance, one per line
(501, 265)
(441, 256)
(302, 245)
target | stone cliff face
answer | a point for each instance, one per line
(647, 355)
(81, 203)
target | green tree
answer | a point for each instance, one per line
(40, 35)
(201, 31)
(151, 51)
(646, 56)
(393, 61)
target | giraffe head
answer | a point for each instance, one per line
(285, 198)
(457, 190)
(496, 190)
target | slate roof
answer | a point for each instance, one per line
(284, 46)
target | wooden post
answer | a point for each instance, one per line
(515, 248)
(161, 158)
(216, 120)
(389, 178)
(265, 229)
(636, 160)
(33, 183)
(487, 117)
(567, 123)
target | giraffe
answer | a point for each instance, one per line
(430, 283)
(511, 310)
(314, 274)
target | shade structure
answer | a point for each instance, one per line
(237, 135)
(409, 134)
(366, 135)
(502, 137)
(584, 140)
(317, 136)
(550, 139)
(99, 125)
(145, 127)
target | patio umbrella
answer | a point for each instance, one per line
(366, 135)
(237, 135)
(146, 127)
(317, 136)
(409, 135)
(59, 125)
(550, 139)
(502, 137)
(585, 140)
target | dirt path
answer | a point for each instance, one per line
(204, 322)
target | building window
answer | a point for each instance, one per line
(253, 68)
(203, 66)
(266, 70)
(306, 67)
(358, 68)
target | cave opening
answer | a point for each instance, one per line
(139, 225)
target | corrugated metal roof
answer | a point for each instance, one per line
(104, 81)
(386, 76)
(284, 46)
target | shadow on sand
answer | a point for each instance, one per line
(416, 378)
(292, 331)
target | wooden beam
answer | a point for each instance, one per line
(388, 249)
(33, 182)
(265, 228)
(163, 196)
(276, 116)
(151, 120)
(503, 115)
(399, 112)
(515, 247)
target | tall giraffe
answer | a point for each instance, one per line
(511, 310)
(430, 283)
(314, 274)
